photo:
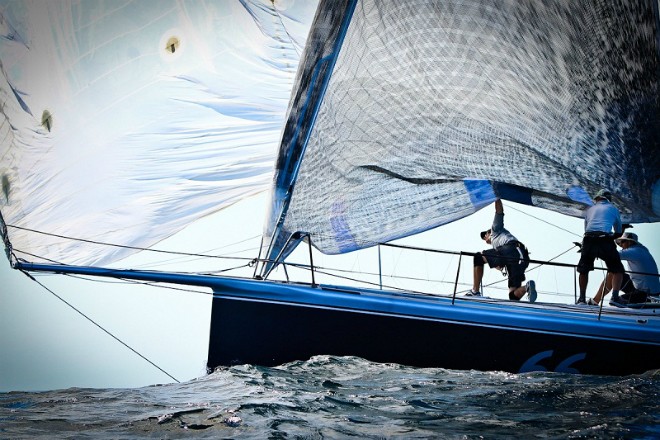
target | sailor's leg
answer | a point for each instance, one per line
(616, 284)
(477, 276)
(478, 272)
(614, 267)
(583, 280)
(517, 292)
(516, 277)
(603, 289)
(584, 266)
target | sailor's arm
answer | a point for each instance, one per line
(627, 254)
(499, 208)
(617, 225)
(498, 220)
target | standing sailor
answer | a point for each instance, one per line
(600, 219)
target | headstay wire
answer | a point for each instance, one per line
(99, 326)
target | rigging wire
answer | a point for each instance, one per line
(99, 326)
(544, 221)
(225, 255)
(179, 259)
(333, 272)
(122, 280)
(248, 264)
(369, 283)
(188, 254)
(36, 256)
(135, 282)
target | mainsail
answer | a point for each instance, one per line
(124, 121)
(419, 113)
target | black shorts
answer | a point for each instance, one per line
(599, 247)
(509, 257)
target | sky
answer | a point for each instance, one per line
(76, 332)
(45, 344)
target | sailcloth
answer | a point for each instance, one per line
(124, 121)
(410, 114)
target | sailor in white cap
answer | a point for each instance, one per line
(642, 267)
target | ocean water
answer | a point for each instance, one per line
(344, 397)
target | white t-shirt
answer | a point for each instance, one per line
(602, 217)
(640, 260)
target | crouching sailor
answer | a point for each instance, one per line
(507, 253)
(641, 283)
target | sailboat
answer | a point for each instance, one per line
(401, 117)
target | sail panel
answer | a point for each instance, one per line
(124, 121)
(434, 109)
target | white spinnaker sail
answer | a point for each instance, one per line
(124, 121)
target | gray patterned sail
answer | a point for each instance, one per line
(415, 113)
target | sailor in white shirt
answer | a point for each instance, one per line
(602, 224)
(643, 279)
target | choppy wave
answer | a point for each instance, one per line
(342, 397)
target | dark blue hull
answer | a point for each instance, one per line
(268, 323)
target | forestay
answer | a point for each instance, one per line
(434, 109)
(124, 121)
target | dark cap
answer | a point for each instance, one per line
(483, 234)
